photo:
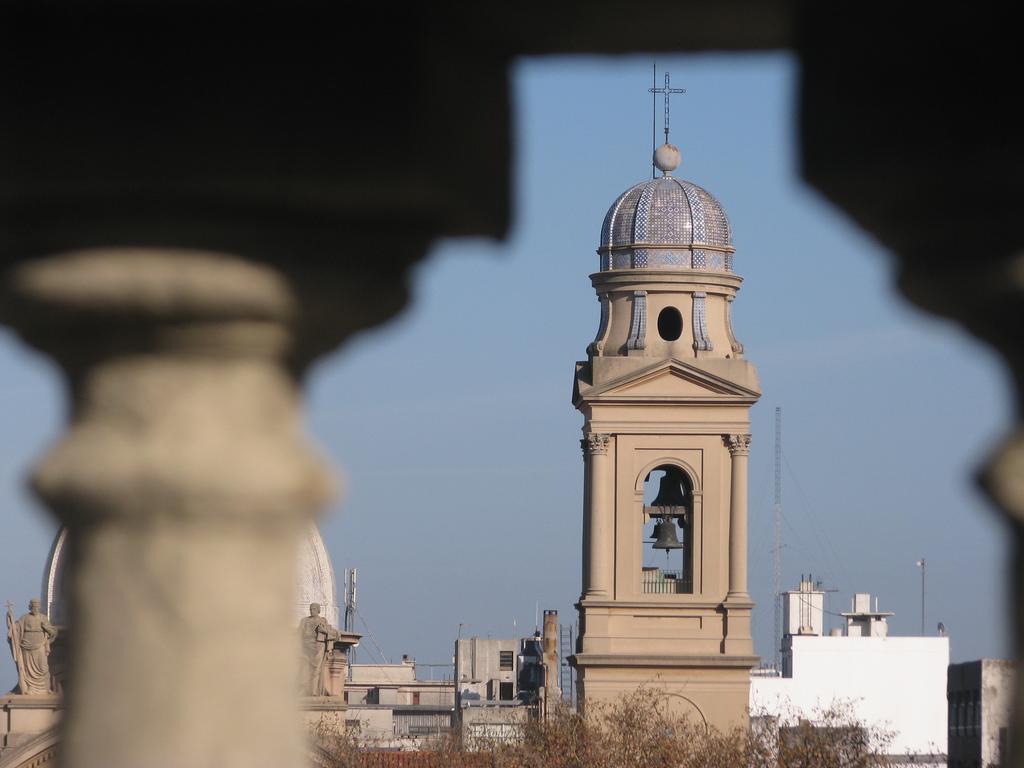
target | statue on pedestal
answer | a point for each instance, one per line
(318, 638)
(30, 638)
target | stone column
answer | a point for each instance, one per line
(185, 481)
(739, 448)
(337, 671)
(585, 576)
(601, 516)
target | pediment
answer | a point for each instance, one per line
(671, 380)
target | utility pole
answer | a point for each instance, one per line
(777, 549)
(921, 565)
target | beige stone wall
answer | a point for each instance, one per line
(710, 695)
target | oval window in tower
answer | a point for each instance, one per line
(670, 324)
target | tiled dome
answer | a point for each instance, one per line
(666, 223)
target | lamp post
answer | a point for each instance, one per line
(921, 565)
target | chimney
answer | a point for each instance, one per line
(550, 639)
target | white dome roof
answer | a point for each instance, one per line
(53, 578)
(314, 582)
(666, 223)
(315, 579)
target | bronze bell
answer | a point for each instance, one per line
(670, 490)
(665, 535)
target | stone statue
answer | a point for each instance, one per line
(317, 637)
(30, 638)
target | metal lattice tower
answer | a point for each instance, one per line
(777, 549)
(567, 676)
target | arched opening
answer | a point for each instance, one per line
(667, 523)
(670, 324)
(675, 707)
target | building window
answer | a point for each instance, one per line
(506, 692)
(506, 661)
(670, 324)
(415, 697)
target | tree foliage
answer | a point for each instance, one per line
(639, 731)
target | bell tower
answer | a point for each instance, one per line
(665, 393)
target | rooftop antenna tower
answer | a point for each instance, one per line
(350, 611)
(777, 549)
(654, 90)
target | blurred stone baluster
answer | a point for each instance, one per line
(184, 478)
(194, 206)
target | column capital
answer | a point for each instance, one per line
(738, 445)
(595, 443)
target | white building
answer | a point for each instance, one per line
(896, 685)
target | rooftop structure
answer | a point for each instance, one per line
(861, 621)
(486, 671)
(803, 609)
(391, 706)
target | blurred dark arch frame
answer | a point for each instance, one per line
(277, 131)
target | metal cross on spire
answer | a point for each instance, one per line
(668, 91)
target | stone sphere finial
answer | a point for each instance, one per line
(667, 158)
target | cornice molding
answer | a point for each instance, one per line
(665, 660)
(719, 389)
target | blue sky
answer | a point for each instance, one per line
(457, 443)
